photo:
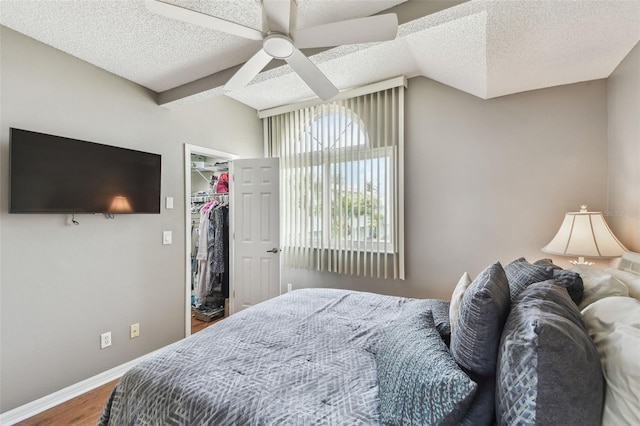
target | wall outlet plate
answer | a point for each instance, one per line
(134, 330)
(105, 340)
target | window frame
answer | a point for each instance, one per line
(325, 159)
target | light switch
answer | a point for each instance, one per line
(169, 202)
(166, 237)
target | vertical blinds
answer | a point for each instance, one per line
(342, 184)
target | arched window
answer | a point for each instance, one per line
(336, 127)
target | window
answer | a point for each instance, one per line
(348, 182)
(341, 189)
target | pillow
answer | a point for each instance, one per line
(546, 262)
(567, 279)
(419, 382)
(474, 340)
(631, 280)
(440, 311)
(614, 325)
(482, 411)
(456, 298)
(483, 311)
(521, 274)
(598, 285)
(548, 367)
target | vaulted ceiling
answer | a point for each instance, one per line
(487, 48)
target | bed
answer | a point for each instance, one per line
(515, 345)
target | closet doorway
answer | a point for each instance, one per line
(200, 164)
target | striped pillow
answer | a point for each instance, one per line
(522, 274)
(475, 339)
(483, 312)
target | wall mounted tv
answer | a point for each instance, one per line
(54, 174)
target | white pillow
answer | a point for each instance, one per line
(598, 285)
(631, 280)
(614, 325)
(456, 298)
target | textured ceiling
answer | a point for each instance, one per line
(487, 48)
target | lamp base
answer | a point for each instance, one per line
(581, 261)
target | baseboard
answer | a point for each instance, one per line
(39, 405)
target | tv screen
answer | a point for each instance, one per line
(54, 174)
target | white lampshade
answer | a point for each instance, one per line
(585, 234)
(120, 204)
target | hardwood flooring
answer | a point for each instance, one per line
(85, 409)
(80, 411)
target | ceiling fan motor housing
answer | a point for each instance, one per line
(278, 46)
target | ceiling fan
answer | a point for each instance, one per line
(282, 40)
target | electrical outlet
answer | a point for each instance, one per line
(105, 340)
(134, 330)
(289, 287)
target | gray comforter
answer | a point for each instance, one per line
(303, 358)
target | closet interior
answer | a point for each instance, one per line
(209, 237)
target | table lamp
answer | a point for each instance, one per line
(585, 234)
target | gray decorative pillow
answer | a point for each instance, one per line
(419, 382)
(521, 274)
(483, 311)
(567, 279)
(549, 372)
(440, 310)
(482, 411)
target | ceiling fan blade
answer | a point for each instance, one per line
(192, 17)
(277, 14)
(352, 31)
(312, 76)
(248, 71)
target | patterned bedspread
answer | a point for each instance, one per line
(303, 358)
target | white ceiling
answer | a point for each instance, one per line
(487, 48)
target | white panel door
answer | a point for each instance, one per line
(254, 213)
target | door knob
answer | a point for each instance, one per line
(273, 250)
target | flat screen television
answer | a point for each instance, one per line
(55, 174)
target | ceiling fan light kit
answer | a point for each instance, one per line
(281, 41)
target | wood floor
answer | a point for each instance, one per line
(85, 409)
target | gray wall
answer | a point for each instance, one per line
(62, 285)
(624, 151)
(488, 180)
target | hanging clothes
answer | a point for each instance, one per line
(223, 183)
(212, 255)
(210, 245)
(217, 252)
(201, 288)
(225, 239)
(203, 231)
